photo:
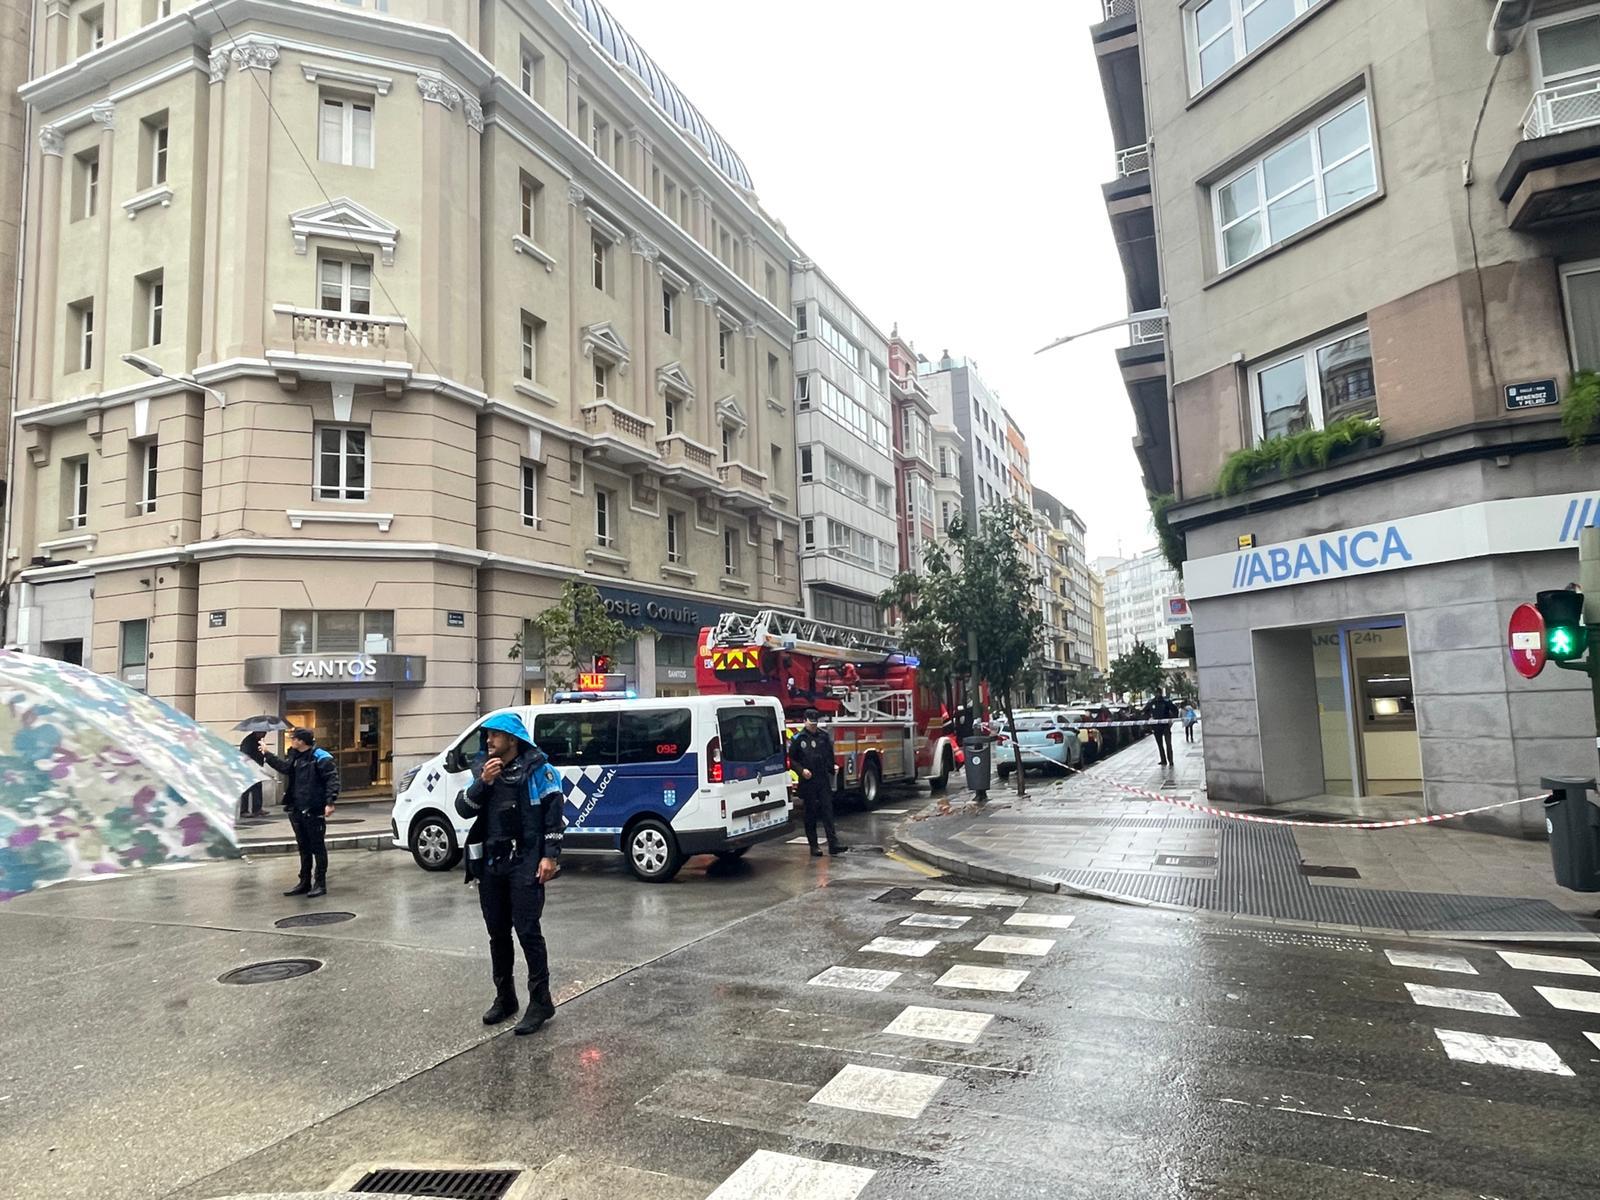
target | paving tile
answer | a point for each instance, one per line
(940, 1024)
(904, 947)
(767, 1175)
(935, 921)
(855, 978)
(1518, 1053)
(982, 979)
(1040, 920)
(970, 899)
(1000, 943)
(878, 1090)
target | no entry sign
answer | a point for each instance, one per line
(1526, 637)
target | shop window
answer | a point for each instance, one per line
(658, 736)
(334, 631)
(134, 663)
(675, 650)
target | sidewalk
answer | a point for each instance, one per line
(355, 825)
(1085, 835)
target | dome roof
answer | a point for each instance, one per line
(628, 54)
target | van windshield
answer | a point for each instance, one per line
(749, 735)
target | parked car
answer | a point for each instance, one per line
(1091, 742)
(1046, 740)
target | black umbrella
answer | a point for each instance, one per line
(265, 723)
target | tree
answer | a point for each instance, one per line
(1139, 672)
(920, 598)
(573, 630)
(1181, 685)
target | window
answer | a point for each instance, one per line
(153, 149)
(724, 347)
(597, 258)
(133, 660)
(808, 533)
(654, 736)
(841, 343)
(775, 469)
(730, 551)
(749, 735)
(884, 496)
(1223, 32)
(879, 379)
(530, 73)
(802, 391)
(342, 467)
(532, 335)
(531, 201)
(1581, 285)
(773, 367)
(847, 477)
(144, 458)
(86, 172)
(345, 134)
(530, 494)
(778, 550)
(668, 304)
(1314, 385)
(600, 139)
(75, 492)
(800, 322)
(944, 514)
(602, 381)
(92, 30)
(944, 462)
(806, 474)
(1320, 171)
(579, 737)
(670, 411)
(344, 286)
(152, 300)
(81, 355)
(869, 417)
(604, 502)
(727, 443)
(674, 536)
(675, 650)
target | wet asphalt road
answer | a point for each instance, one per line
(1140, 1054)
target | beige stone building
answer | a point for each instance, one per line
(16, 17)
(446, 303)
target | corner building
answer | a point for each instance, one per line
(1357, 212)
(459, 302)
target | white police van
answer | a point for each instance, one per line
(659, 780)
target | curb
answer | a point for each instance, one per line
(348, 841)
(919, 849)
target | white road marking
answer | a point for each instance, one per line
(982, 979)
(904, 947)
(1040, 920)
(940, 1024)
(1311, 1112)
(970, 899)
(799, 841)
(876, 1090)
(1425, 961)
(855, 978)
(1554, 964)
(935, 921)
(1571, 999)
(767, 1175)
(1519, 1053)
(891, 812)
(1593, 1037)
(1462, 998)
(1000, 943)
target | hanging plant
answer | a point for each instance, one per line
(1580, 408)
(1173, 548)
(1297, 451)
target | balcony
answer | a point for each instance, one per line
(743, 486)
(1144, 373)
(1133, 160)
(1116, 49)
(1553, 172)
(693, 464)
(338, 347)
(621, 436)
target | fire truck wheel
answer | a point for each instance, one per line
(652, 851)
(871, 783)
(942, 780)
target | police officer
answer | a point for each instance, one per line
(516, 806)
(313, 791)
(812, 753)
(1163, 712)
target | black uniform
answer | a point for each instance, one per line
(250, 801)
(812, 750)
(518, 821)
(1162, 709)
(313, 787)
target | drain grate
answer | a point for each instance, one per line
(302, 920)
(1329, 872)
(271, 971)
(457, 1184)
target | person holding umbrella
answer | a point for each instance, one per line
(254, 729)
(313, 790)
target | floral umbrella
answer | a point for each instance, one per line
(97, 778)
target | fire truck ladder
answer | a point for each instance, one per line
(819, 639)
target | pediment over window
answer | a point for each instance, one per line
(604, 340)
(671, 378)
(346, 221)
(729, 413)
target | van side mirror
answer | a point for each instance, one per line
(455, 761)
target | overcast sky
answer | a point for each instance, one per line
(942, 162)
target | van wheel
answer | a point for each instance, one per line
(652, 851)
(942, 780)
(871, 783)
(433, 843)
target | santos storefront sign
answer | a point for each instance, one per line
(1471, 531)
(277, 670)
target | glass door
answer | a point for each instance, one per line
(357, 731)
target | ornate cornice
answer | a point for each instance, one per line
(704, 295)
(576, 195)
(474, 114)
(51, 141)
(257, 54)
(645, 248)
(219, 65)
(104, 114)
(436, 89)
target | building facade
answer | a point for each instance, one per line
(915, 503)
(1340, 209)
(1097, 618)
(850, 548)
(1137, 591)
(966, 405)
(446, 304)
(16, 27)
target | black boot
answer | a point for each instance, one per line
(505, 1004)
(317, 889)
(815, 851)
(540, 1009)
(299, 889)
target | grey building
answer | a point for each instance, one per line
(965, 404)
(1337, 209)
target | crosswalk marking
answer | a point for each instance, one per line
(855, 978)
(767, 1175)
(1519, 1053)
(1554, 964)
(982, 979)
(891, 812)
(1040, 920)
(969, 899)
(1425, 961)
(878, 1090)
(904, 947)
(1463, 999)
(1571, 999)
(1593, 1037)
(940, 1024)
(935, 921)
(999, 943)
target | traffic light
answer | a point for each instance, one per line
(602, 664)
(1565, 637)
(1180, 644)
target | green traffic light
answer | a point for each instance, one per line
(1561, 643)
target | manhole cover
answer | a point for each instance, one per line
(1329, 872)
(272, 971)
(461, 1185)
(317, 918)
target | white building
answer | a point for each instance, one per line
(1137, 591)
(968, 407)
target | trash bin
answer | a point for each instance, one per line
(977, 766)
(1573, 823)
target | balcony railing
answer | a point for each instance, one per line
(1133, 160)
(678, 451)
(605, 419)
(1119, 8)
(1567, 106)
(1145, 327)
(331, 328)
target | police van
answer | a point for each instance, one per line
(659, 780)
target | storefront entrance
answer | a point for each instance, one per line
(1366, 709)
(358, 730)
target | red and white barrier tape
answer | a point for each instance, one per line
(1394, 824)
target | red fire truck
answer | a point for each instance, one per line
(887, 728)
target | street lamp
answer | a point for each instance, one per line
(150, 367)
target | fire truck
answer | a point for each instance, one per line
(887, 729)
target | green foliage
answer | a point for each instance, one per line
(1580, 408)
(1181, 686)
(572, 631)
(1173, 548)
(1139, 672)
(1308, 448)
